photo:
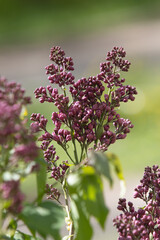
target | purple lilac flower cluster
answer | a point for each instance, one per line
(13, 124)
(11, 190)
(88, 114)
(52, 192)
(11, 100)
(17, 142)
(145, 222)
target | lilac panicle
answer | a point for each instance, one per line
(89, 113)
(17, 141)
(145, 222)
(12, 100)
(12, 125)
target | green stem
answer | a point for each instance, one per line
(86, 151)
(64, 90)
(1, 219)
(0, 214)
(75, 150)
(65, 149)
(69, 219)
(74, 144)
(82, 149)
(4, 158)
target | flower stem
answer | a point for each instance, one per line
(1, 221)
(75, 151)
(65, 149)
(82, 149)
(68, 218)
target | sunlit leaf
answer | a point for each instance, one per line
(83, 229)
(12, 224)
(18, 236)
(114, 160)
(46, 219)
(86, 190)
(3, 237)
(100, 162)
(68, 164)
(22, 236)
(99, 131)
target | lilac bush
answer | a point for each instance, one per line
(86, 123)
(143, 223)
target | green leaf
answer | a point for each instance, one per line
(46, 219)
(3, 237)
(22, 236)
(86, 191)
(99, 131)
(19, 236)
(114, 160)
(41, 179)
(100, 162)
(81, 220)
(12, 224)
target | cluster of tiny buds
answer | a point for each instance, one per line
(52, 192)
(145, 222)
(116, 57)
(59, 100)
(57, 55)
(60, 74)
(123, 94)
(122, 127)
(58, 172)
(49, 154)
(40, 122)
(150, 185)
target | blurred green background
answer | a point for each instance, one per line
(86, 30)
